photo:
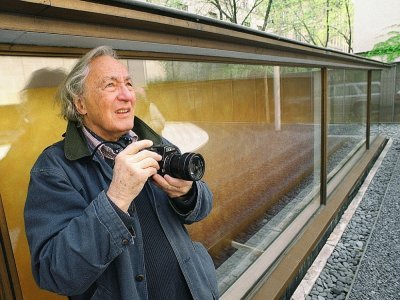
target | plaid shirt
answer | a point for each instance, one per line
(105, 150)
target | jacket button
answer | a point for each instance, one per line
(125, 242)
(139, 277)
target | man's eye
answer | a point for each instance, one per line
(110, 84)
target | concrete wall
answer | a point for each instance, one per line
(373, 20)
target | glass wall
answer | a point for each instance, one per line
(28, 123)
(347, 98)
(376, 99)
(389, 109)
(396, 106)
(258, 128)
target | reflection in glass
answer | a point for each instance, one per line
(396, 106)
(259, 134)
(376, 94)
(347, 100)
(29, 122)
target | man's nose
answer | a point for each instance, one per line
(125, 93)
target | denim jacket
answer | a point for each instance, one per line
(79, 245)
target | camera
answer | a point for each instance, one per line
(187, 166)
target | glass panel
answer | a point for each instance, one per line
(258, 128)
(347, 115)
(396, 118)
(28, 123)
(375, 103)
(389, 107)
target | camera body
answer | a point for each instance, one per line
(187, 166)
(166, 153)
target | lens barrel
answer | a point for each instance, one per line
(188, 166)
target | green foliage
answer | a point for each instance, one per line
(389, 49)
(323, 23)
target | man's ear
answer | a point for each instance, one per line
(80, 105)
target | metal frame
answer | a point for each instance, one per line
(324, 135)
(369, 97)
(9, 281)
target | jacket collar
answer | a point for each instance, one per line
(76, 147)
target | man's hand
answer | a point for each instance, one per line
(133, 166)
(172, 186)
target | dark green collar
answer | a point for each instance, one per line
(76, 147)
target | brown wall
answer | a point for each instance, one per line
(250, 166)
(234, 100)
(212, 101)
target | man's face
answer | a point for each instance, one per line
(108, 100)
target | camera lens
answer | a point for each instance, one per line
(196, 166)
(188, 166)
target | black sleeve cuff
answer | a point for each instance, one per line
(125, 217)
(186, 203)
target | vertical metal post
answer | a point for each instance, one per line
(277, 97)
(9, 281)
(266, 100)
(369, 91)
(324, 135)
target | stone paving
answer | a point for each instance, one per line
(361, 259)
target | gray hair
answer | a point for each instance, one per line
(73, 85)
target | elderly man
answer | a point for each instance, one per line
(101, 222)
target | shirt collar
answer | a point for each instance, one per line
(76, 145)
(108, 150)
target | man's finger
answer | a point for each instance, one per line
(137, 146)
(176, 182)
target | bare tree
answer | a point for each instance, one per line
(229, 10)
(349, 36)
(345, 30)
(327, 24)
(318, 22)
(266, 15)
